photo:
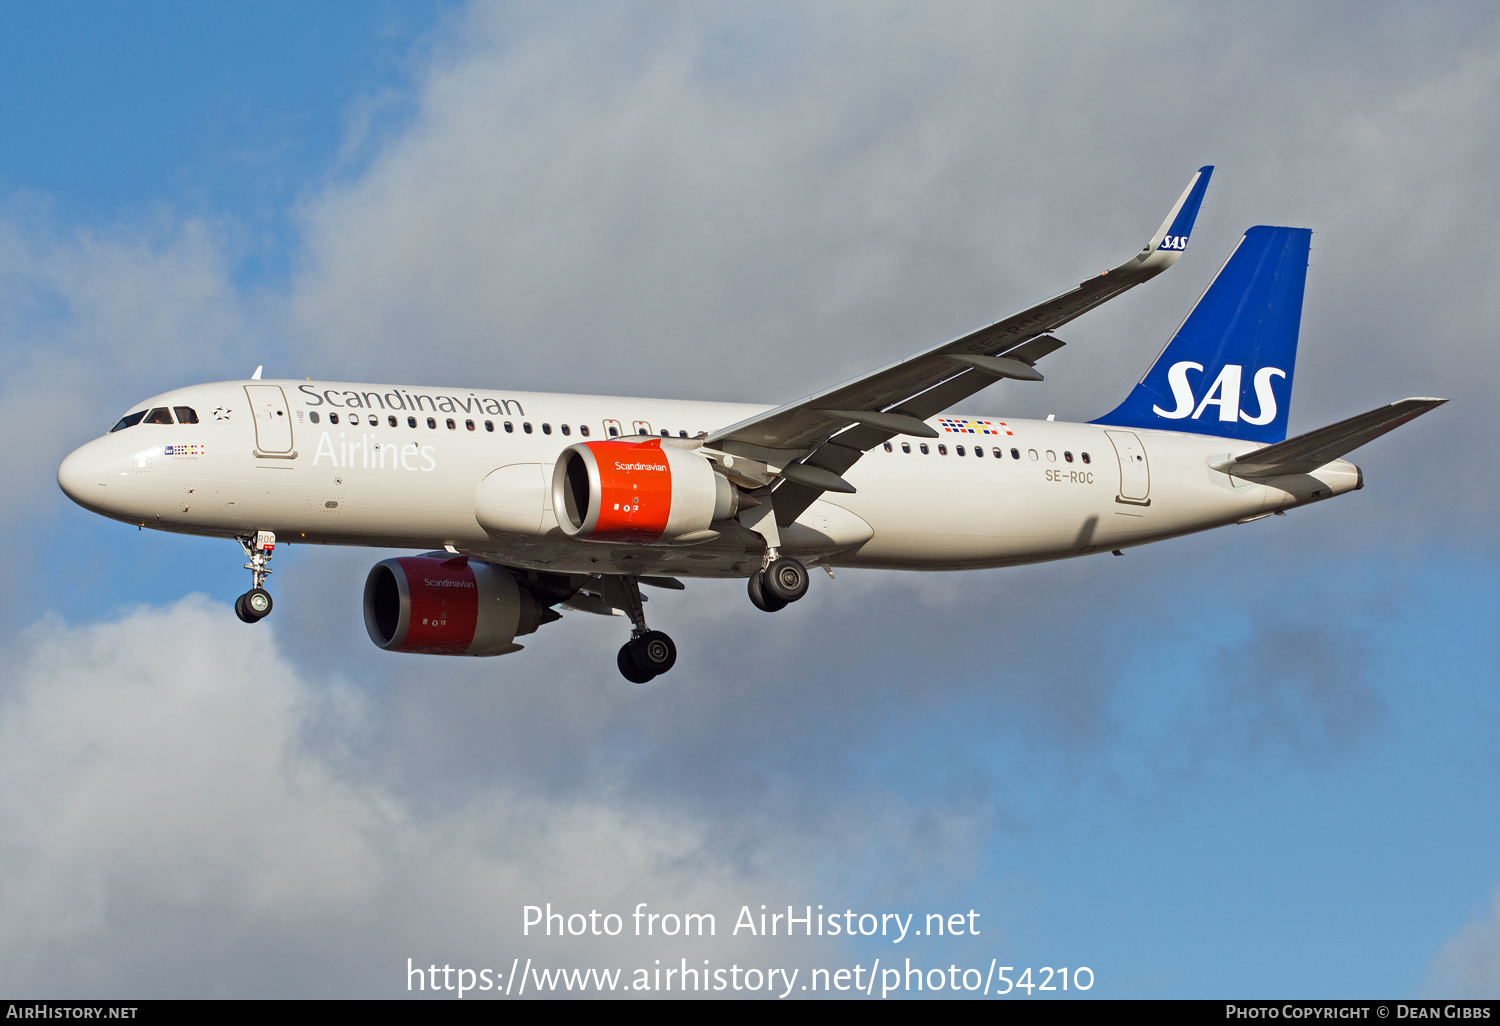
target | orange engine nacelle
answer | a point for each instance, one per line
(641, 492)
(440, 606)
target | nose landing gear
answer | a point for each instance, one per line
(647, 653)
(255, 604)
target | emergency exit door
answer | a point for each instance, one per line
(1135, 471)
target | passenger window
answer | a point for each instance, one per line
(1031, 453)
(923, 447)
(432, 423)
(888, 447)
(129, 420)
(333, 418)
(546, 429)
(1085, 457)
(1051, 456)
(160, 415)
(906, 447)
(583, 429)
(1067, 456)
(682, 434)
(978, 450)
(391, 420)
(411, 422)
(354, 418)
(185, 414)
(567, 430)
(665, 433)
(1015, 454)
(489, 425)
(526, 426)
(313, 416)
(958, 450)
(451, 425)
(614, 432)
(942, 450)
(509, 428)
(469, 424)
(999, 454)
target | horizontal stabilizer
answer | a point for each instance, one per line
(1306, 453)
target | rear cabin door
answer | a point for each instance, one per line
(1135, 471)
(273, 425)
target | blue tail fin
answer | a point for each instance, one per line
(1228, 370)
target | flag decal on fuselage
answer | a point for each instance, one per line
(965, 426)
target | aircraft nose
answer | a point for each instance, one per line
(82, 475)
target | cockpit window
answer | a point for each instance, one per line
(185, 414)
(129, 420)
(160, 415)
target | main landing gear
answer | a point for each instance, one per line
(647, 653)
(783, 580)
(255, 604)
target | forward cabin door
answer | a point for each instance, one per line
(273, 425)
(1135, 471)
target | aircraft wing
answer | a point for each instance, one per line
(829, 430)
(1306, 453)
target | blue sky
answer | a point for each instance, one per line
(1256, 762)
(113, 110)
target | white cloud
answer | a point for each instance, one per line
(1468, 965)
(173, 805)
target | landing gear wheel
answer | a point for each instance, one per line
(258, 602)
(243, 613)
(785, 580)
(763, 599)
(653, 652)
(628, 669)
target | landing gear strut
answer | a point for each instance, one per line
(647, 653)
(255, 604)
(783, 580)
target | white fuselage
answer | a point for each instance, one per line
(244, 466)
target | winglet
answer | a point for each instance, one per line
(1172, 237)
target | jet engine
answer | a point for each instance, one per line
(440, 606)
(642, 492)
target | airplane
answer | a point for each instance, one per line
(524, 504)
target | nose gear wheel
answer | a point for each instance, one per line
(253, 606)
